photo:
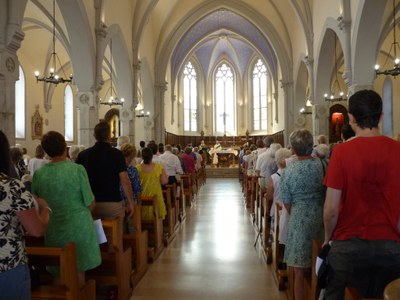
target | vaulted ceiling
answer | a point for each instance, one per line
(223, 33)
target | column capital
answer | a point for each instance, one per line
(343, 24)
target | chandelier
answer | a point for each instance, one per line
(396, 68)
(341, 96)
(143, 115)
(112, 100)
(303, 111)
(53, 77)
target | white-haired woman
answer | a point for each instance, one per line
(303, 194)
(273, 192)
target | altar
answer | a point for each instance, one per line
(226, 157)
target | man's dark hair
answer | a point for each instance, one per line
(147, 155)
(260, 144)
(16, 154)
(53, 143)
(102, 131)
(153, 147)
(39, 152)
(5, 161)
(142, 144)
(366, 107)
(347, 131)
(161, 148)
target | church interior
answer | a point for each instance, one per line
(198, 68)
(182, 72)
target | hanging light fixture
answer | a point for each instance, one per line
(143, 115)
(53, 77)
(396, 68)
(303, 111)
(341, 96)
(113, 100)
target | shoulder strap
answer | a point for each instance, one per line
(323, 165)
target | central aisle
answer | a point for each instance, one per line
(212, 256)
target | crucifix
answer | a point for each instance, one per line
(224, 115)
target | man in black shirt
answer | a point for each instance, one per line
(106, 169)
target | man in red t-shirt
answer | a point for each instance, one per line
(362, 205)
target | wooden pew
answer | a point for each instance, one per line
(204, 173)
(280, 275)
(170, 218)
(392, 290)
(175, 202)
(181, 200)
(314, 289)
(68, 287)
(290, 283)
(257, 204)
(195, 184)
(116, 266)
(138, 242)
(154, 228)
(248, 193)
(267, 206)
(199, 178)
(311, 291)
(187, 188)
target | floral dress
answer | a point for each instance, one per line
(301, 186)
(13, 198)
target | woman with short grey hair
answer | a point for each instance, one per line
(302, 194)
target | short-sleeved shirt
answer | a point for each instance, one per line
(103, 164)
(366, 170)
(189, 162)
(13, 198)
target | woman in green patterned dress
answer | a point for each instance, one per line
(303, 194)
(65, 187)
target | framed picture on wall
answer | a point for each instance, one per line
(37, 125)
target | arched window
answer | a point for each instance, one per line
(68, 114)
(225, 101)
(259, 83)
(20, 105)
(189, 98)
(387, 107)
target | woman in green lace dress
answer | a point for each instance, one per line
(65, 187)
(302, 193)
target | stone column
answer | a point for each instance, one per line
(344, 24)
(8, 76)
(159, 130)
(320, 119)
(87, 117)
(275, 95)
(287, 87)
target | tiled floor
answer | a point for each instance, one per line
(212, 256)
